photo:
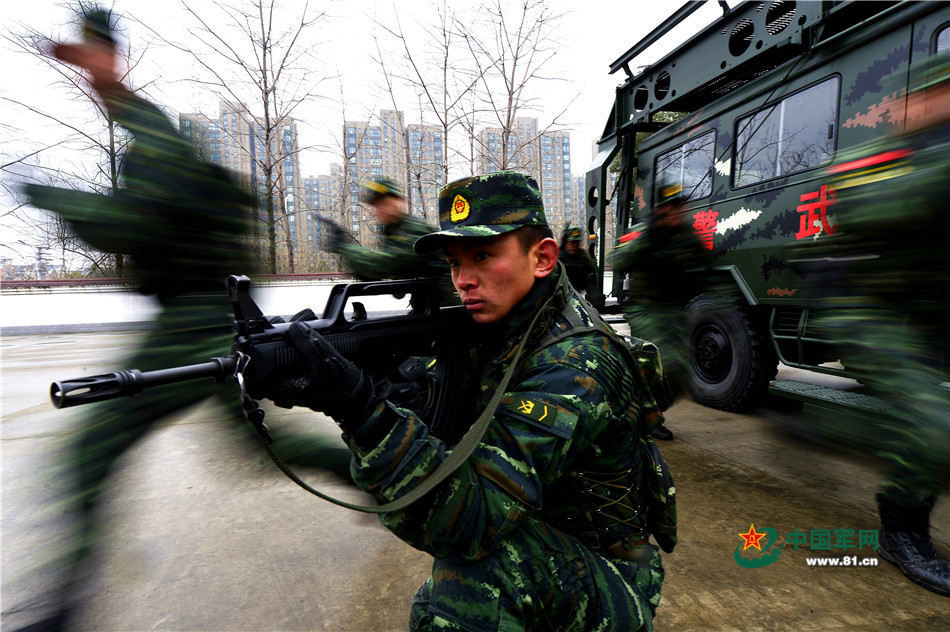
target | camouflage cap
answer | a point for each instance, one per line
(573, 233)
(97, 25)
(372, 190)
(485, 206)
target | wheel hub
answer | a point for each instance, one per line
(713, 353)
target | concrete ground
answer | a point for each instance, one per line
(206, 534)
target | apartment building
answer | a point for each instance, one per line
(544, 155)
(263, 158)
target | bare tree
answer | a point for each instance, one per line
(268, 66)
(507, 61)
(474, 71)
(438, 72)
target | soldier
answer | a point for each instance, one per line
(544, 526)
(661, 255)
(395, 258)
(580, 266)
(889, 311)
(184, 223)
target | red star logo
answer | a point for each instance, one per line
(751, 538)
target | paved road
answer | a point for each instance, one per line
(205, 534)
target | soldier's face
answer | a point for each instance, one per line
(389, 209)
(492, 274)
(671, 214)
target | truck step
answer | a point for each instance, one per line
(832, 398)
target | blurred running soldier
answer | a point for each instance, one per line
(893, 259)
(395, 258)
(184, 223)
(662, 257)
(581, 267)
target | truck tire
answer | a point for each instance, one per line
(731, 358)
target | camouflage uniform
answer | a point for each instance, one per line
(893, 282)
(395, 258)
(543, 527)
(183, 224)
(580, 266)
(895, 302)
(661, 263)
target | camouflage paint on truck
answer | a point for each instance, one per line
(773, 94)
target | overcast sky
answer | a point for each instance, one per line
(590, 36)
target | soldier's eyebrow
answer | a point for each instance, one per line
(472, 243)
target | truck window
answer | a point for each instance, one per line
(690, 164)
(943, 40)
(793, 135)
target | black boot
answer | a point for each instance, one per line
(661, 433)
(905, 541)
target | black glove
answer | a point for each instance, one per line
(409, 387)
(337, 237)
(335, 385)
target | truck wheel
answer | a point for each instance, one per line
(731, 359)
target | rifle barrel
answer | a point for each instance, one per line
(95, 388)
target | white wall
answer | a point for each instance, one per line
(101, 308)
(93, 308)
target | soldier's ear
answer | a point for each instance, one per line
(545, 252)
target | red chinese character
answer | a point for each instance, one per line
(705, 223)
(814, 217)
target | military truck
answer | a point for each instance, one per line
(766, 98)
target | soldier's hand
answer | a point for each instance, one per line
(597, 301)
(335, 385)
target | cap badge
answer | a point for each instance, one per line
(460, 208)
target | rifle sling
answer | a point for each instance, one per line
(463, 450)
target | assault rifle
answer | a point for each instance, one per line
(263, 357)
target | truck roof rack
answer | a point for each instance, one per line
(746, 42)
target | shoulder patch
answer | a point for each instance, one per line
(538, 411)
(535, 410)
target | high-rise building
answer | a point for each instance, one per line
(238, 142)
(544, 155)
(413, 155)
(313, 207)
(557, 189)
(236, 124)
(520, 153)
(425, 160)
(322, 203)
(372, 150)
